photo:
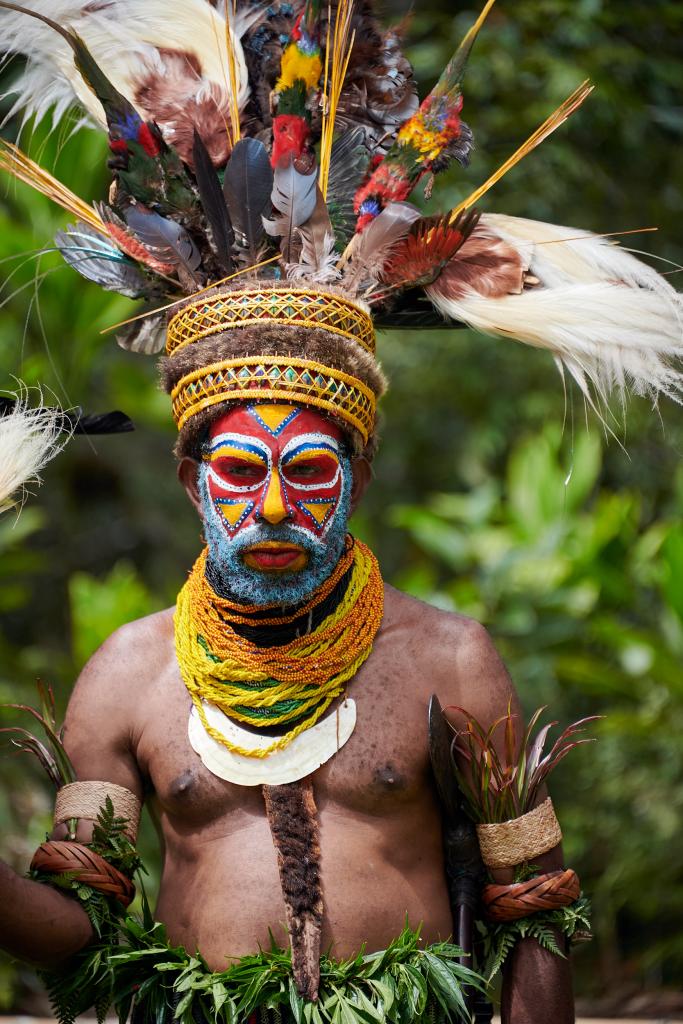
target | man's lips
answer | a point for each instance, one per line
(271, 556)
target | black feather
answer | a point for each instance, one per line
(115, 422)
(348, 166)
(168, 240)
(79, 422)
(147, 335)
(247, 186)
(213, 203)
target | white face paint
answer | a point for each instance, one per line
(275, 483)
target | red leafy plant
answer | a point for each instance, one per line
(51, 753)
(496, 788)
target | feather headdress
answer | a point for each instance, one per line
(263, 160)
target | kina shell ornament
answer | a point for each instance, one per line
(300, 758)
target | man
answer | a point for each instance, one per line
(288, 670)
(380, 831)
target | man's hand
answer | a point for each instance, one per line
(39, 924)
(537, 984)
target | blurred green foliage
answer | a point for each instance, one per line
(494, 496)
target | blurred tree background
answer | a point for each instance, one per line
(493, 496)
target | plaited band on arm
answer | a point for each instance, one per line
(86, 799)
(544, 892)
(521, 839)
(62, 857)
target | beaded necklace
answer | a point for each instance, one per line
(287, 684)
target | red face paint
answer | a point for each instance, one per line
(272, 464)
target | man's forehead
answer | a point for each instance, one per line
(274, 420)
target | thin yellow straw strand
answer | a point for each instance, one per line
(232, 70)
(325, 107)
(186, 298)
(557, 118)
(606, 234)
(342, 47)
(226, 74)
(23, 168)
(478, 23)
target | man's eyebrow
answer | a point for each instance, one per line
(237, 451)
(239, 442)
(310, 452)
(310, 441)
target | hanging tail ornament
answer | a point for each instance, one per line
(29, 439)
(31, 436)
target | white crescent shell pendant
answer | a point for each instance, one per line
(307, 751)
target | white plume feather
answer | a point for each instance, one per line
(611, 321)
(181, 44)
(608, 335)
(29, 439)
(559, 254)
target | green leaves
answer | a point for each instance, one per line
(500, 939)
(100, 606)
(394, 986)
(541, 490)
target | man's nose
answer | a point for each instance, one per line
(274, 509)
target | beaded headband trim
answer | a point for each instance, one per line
(276, 378)
(297, 307)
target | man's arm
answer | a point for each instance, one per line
(537, 985)
(38, 923)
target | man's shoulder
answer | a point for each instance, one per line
(130, 654)
(456, 656)
(420, 619)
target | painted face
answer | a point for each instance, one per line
(275, 482)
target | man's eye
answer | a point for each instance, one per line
(304, 470)
(243, 470)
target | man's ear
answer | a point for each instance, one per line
(362, 475)
(188, 474)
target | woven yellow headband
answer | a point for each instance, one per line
(273, 378)
(295, 307)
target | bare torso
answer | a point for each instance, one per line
(379, 823)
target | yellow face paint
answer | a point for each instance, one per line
(227, 451)
(274, 508)
(313, 453)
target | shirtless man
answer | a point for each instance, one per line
(380, 832)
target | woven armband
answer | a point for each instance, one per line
(546, 892)
(86, 800)
(521, 839)
(63, 857)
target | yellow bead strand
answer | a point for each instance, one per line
(312, 670)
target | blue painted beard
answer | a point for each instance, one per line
(236, 581)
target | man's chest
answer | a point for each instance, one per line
(382, 769)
